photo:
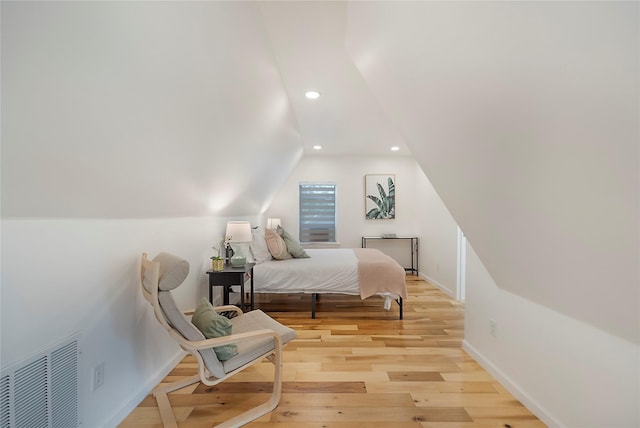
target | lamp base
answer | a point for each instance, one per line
(238, 261)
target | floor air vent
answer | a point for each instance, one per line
(43, 390)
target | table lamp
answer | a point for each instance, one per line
(238, 234)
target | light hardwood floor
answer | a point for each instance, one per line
(355, 366)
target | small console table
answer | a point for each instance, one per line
(231, 276)
(413, 241)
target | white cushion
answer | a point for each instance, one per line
(173, 270)
(251, 349)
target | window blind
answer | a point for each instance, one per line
(317, 212)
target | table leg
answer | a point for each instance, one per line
(252, 289)
(242, 292)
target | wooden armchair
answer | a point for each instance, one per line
(255, 334)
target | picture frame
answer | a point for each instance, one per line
(380, 196)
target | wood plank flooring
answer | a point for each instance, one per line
(357, 366)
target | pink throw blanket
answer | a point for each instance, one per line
(379, 273)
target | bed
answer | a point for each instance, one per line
(357, 271)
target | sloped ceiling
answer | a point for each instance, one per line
(525, 117)
(155, 109)
(141, 109)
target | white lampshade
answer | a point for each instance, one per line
(238, 231)
(238, 234)
(273, 223)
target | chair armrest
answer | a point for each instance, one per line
(218, 309)
(228, 308)
(233, 338)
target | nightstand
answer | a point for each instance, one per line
(232, 276)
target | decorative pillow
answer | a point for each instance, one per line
(293, 246)
(258, 246)
(212, 325)
(277, 247)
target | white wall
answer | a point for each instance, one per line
(566, 371)
(439, 231)
(419, 210)
(71, 276)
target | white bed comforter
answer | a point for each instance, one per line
(332, 270)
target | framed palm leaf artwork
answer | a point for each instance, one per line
(380, 196)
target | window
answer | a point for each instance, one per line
(317, 212)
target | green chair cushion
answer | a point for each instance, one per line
(213, 325)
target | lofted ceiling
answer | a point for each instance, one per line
(308, 42)
(524, 116)
(199, 87)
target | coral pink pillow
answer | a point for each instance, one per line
(276, 245)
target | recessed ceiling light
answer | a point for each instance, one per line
(312, 95)
(395, 148)
(316, 147)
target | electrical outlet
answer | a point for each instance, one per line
(493, 328)
(97, 376)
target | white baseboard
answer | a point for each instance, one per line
(513, 388)
(136, 398)
(442, 288)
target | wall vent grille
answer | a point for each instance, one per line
(42, 391)
(4, 401)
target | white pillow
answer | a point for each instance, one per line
(259, 249)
